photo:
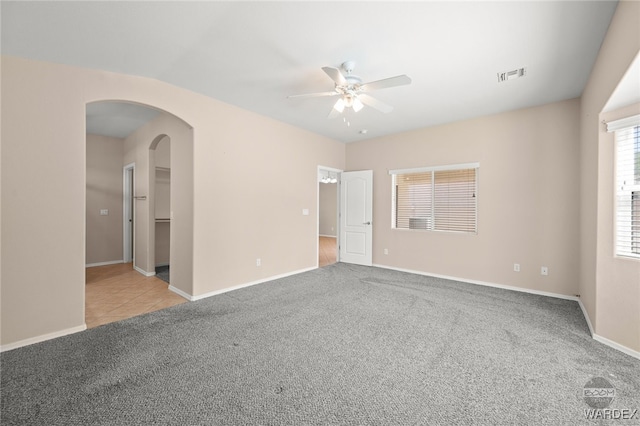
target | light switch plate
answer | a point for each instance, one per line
(305, 212)
(104, 212)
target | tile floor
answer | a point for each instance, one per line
(117, 292)
(327, 251)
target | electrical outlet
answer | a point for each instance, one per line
(544, 270)
(516, 267)
(386, 251)
(258, 262)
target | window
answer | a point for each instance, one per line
(627, 185)
(436, 198)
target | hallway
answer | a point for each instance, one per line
(326, 251)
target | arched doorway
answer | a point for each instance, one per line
(141, 147)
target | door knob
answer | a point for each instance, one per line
(367, 223)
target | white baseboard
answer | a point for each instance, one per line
(617, 346)
(111, 262)
(42, 338)
(143, 272)
(328, 236)
(484, 283)
(596, 337)
(604, 340)
(237, 287)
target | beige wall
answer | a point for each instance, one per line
(328, 209)
(104, 191)
(162, 243)
(240, 214)
(608, 285)
(527, 198)
(43, 220)
(43, 134)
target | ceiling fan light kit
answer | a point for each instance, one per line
(352, 91)
(329, 177)
(349, 102)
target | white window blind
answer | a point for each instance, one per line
(437, 198)
(627, 185)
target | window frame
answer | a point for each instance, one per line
(625, 193)
(433, 169)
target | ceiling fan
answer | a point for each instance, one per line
(353, 92)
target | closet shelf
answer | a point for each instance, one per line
(162, 220)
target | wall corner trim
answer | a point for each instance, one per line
(42, 338)
(586, 317)
(181, 293)
(143, 272)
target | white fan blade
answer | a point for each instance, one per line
(374, 103)
(335, 75)
(314, 95)
(399, 80)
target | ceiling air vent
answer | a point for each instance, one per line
(511, 75)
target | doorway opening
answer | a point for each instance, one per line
(160, 164)
(125, 165)
(328, 210)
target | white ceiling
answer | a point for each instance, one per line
(255, 54)
(117, 119)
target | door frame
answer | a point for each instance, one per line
(338, 172)
(128, 207)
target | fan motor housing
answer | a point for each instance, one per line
(348, 66)
(353, 80)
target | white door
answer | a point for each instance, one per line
(356, 216)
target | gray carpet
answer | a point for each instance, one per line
(162, 272)
(344, 345)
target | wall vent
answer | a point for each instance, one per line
(511, 75)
